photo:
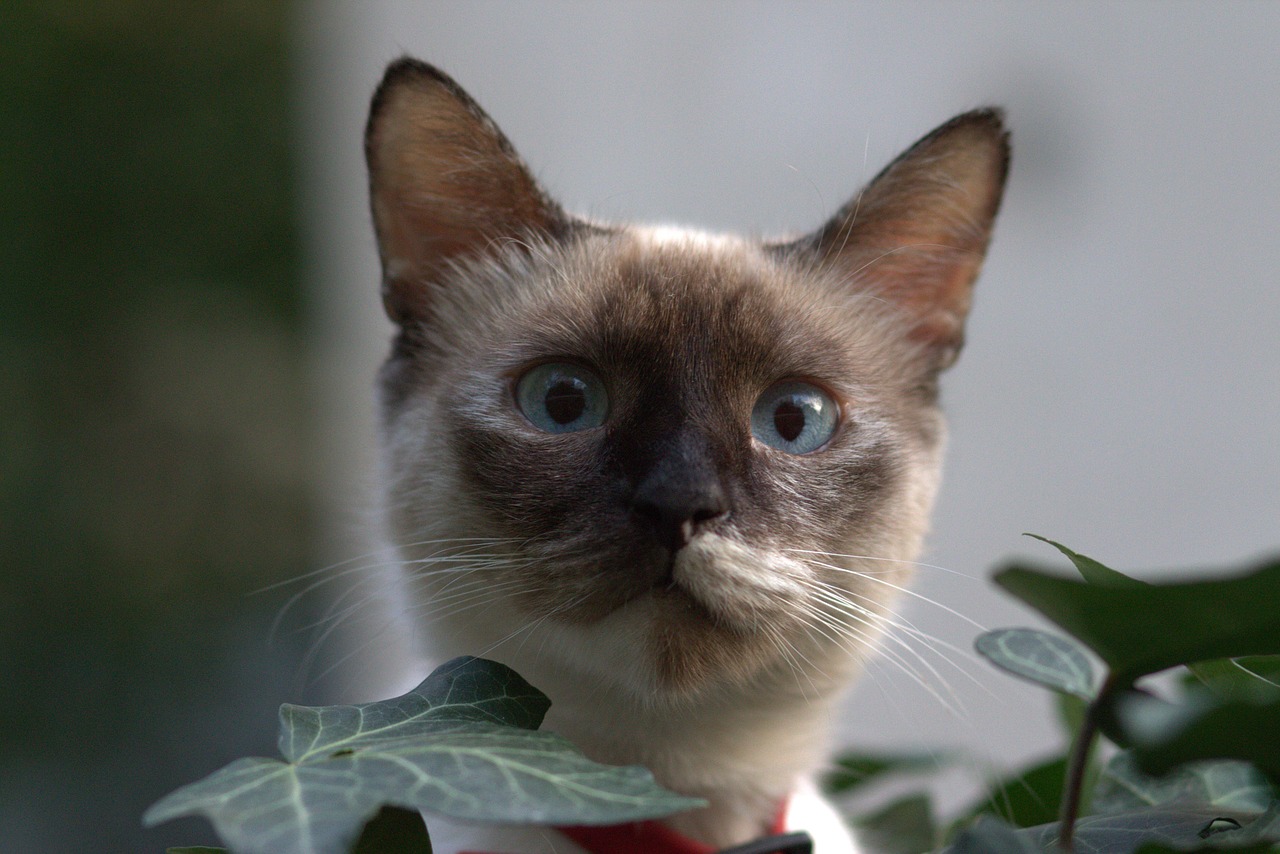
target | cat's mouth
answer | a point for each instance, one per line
(725, 607)
(732, 585)
(713, 582)
(674, 590)
(668, 588)
(674, 582)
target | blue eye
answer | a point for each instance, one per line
(794, 417)
(560, 398)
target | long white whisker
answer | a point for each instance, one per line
(532, 625)
(895, 620)
(891, 638)
(381, 552)
(898, 587)
(912, 563)
(890, 654)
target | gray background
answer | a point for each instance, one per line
(1121, 388)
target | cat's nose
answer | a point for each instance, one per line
(676, 512)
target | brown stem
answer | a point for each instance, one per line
(1078, 764)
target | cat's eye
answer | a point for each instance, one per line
(562, 398)
(795, 417)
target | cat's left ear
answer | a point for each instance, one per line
(918, 233)
(445, 185)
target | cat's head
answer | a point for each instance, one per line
(669, 459)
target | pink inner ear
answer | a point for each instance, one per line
(918, 234)
(445, 185)
(932, 285)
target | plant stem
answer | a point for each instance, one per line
(1078, 764)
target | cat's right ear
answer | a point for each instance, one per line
(917, 234)
(445, 185)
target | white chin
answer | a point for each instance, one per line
(740, 585)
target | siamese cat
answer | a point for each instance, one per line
(674, 479)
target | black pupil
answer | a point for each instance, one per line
(788, 420)
(566, 401)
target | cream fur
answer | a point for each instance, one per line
(720, 667)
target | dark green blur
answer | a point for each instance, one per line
(154, 464)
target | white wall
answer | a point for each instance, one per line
(1121, 387)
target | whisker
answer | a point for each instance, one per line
(891, 639)
(790, 652)
(930, 642)
(912, 563)
(894, 620)
(460, 601)
(905, 590)
(360, 565)
(453, 559)
(380, 552)
(896, 658)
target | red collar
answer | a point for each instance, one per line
(649, 837)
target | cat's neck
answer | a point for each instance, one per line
(742, 746)
(745, 762)
(743, 750)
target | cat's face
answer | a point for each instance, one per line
(680, 459)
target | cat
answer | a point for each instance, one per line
(674, 479)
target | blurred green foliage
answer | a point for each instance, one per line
(153, 445)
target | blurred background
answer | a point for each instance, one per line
(189, 326)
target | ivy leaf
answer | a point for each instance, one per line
(460, 692)
(857, 770)
(1026, 799)
(1266, 828)
(1163, 736)
(1259, 836)
(1220, 802)
(1252, 679)
(1143, 629)
(1070, 711)
(1049, 660)
(1122, 833)
(1091, 570)
(462, 743)
(1237, 786)
(990, 835)
(905, 826)
(1209, 848)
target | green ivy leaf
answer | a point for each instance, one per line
(1163, 737)
(1091, 570)
(1143, 629)
(1236, 786)
(990, 835)
(1210, 848)
(1026, 799)
(1121, 833)
(457, 694)
(1250, 679)
(1265, 828)
(462, 743)
(857, 770)
(1259, 836)
(1071, 712)
(1176, 813)
(1053, 661)
(905, 826)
